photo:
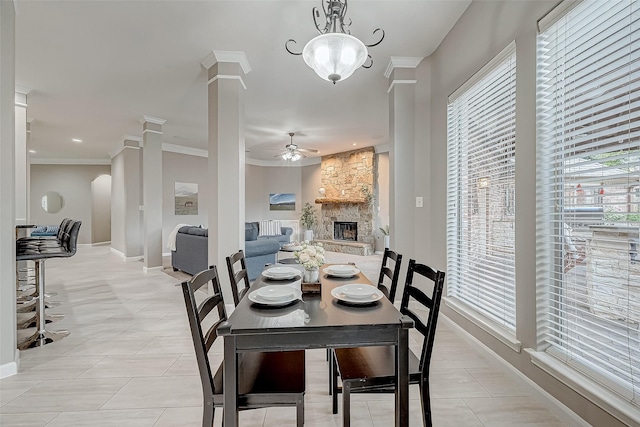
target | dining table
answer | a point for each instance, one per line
(312, 321)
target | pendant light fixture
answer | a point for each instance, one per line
(335, 54)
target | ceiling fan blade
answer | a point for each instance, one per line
(280, 154)
(308, 150)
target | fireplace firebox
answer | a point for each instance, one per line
(345, 231)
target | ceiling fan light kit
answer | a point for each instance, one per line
(335, 54)
(294, 153)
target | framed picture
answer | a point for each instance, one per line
(282, 202)
(186, 198)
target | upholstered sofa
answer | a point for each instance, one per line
(283, 237)
(192, 251)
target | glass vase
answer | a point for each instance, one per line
(311, 275)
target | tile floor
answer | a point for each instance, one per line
(129, 362)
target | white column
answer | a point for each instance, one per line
(226, 158)
(152, 191)
(22, 191)
(401, 75)
(29, 170)
(8, 336)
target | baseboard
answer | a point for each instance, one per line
(101, 243)
(11, 368)
(556, 407)
(124, 258)
(150, 269)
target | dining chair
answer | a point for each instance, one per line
(238, 276)
(391, 274)
(372, 369)
(264, 379)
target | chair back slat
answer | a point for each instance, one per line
(197, 314)
(238, 275)
(424, 300)
(432, 303)
(391, 274)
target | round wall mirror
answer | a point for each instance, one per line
(52, 202)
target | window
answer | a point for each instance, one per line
(480, 193)
(588, 172)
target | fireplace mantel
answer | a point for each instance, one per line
(332, 200)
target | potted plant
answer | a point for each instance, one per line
(308, 220)
(385, 233)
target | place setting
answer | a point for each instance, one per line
(341, 271)
(281, 273)
(357, 294)
(275, 296)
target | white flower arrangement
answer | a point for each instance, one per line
(310, 256)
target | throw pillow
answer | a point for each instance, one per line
(250, 231)
(269, 228)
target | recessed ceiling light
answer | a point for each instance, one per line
(76, 140)
(354, 144)
(32, 151)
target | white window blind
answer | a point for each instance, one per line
(481, 192)
(588, 215)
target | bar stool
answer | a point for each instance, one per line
(38, 251)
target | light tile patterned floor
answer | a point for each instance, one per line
(129, 362)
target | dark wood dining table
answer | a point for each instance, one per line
(316, 321)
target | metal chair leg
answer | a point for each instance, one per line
(42, 336)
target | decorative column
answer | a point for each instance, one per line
(226, 172)
(401, 75)
(126, 199)
(22, 191)
(152, 191)
(9, 355)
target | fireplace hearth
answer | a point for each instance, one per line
(347, 231)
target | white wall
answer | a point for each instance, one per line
(382, 199)
(73, 182)
(482, 32)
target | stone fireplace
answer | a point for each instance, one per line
(346, 215)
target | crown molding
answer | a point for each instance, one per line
(23, 90)
(150, 119)
(181, 149)
(282, 163)
(227, 56)
(227, 77)
(42, 161)
(402, 62)
(382, 148)
(400, 82)
(131, 138)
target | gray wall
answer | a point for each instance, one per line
(182, 168)
(101, 209)
(74, 183)
(260, 181)
(481, 33)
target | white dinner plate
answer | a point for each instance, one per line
(281, 273)
(275, 292)
(341, 270)
(357, 293)
(256, 298)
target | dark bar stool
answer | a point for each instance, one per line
(39, 250)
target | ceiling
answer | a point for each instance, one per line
(94, 68)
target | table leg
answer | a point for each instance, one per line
(402, 378)
(230, 382)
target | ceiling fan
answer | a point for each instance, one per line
(293, 152)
